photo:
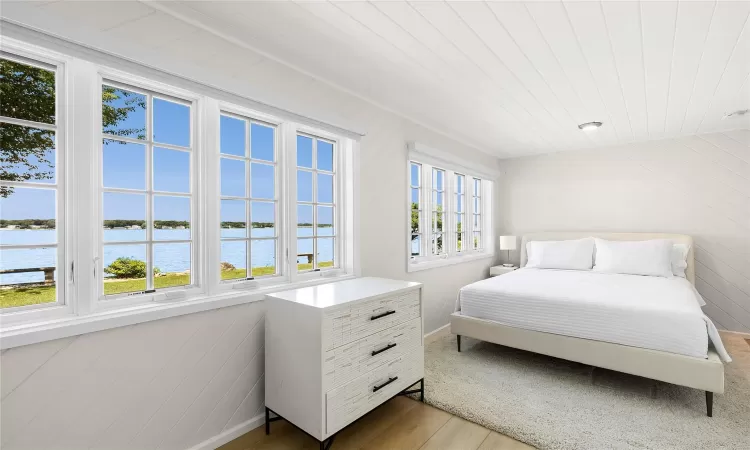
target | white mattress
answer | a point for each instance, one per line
(648, 312)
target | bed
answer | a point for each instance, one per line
(647, 326)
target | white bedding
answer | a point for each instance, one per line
(640, 311)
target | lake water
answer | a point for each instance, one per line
(168, 257)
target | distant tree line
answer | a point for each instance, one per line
(25, 224)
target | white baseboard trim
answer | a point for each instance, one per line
(437, 331)
(230, 434)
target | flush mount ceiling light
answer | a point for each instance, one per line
(589, 126)
(741, 112)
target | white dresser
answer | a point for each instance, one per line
(336, 351)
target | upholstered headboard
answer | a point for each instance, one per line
(562, 235)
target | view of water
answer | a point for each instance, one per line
(168, 257)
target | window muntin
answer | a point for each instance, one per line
(31, 185)
(148, 241)
(476, 227)
(415, 197)
(460, 211)
(438, 212)
(316, 203)
(248, 196)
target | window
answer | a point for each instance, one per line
(316, 204)
(454, 206)
(147, 194)
(32, 201)
(415, 192)
(248, 196)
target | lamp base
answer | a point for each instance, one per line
(507, 265)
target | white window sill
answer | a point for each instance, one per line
(418, 265)
(33, 333)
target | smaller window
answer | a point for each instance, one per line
(415, 197)
(438, 211)
(460, 208)
(477, 212)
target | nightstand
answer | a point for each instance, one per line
(501, 270)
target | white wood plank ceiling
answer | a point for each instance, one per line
(513, 78)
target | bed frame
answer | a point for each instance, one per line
(704, 374)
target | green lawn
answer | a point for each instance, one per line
(45, 294)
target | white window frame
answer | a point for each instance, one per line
(430, 159)
(84, 310)
(65, 236)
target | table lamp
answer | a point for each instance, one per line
(508, 243)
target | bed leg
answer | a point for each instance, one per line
(709, 404)
(458, 342)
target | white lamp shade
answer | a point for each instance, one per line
(508, 242)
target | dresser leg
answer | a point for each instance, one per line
(458, 342)
(268, 421)
(421, 390)
(327, 445)
(709, 404)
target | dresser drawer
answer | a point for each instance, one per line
(354, 399)
(347, 324)
(351, 360)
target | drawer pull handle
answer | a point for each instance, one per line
(390, 380)
(378, 316)
(387, 347)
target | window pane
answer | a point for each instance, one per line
(124, 165)
(233, 260)
(477, 187)
(325, 156)
(233, 219)
(477, 240)
(438, 179)
(304, 220)
(304, 186)
(27, 216)
(416, 245)
(232, 177)
(460, 203)
(415, 174)
(171, 170)
(459, 223)
(437, 221)
(232, 136)
(263, 257)
(124, 268)
(263, 217)
(261, 142)
(28, 154)
(325, 221)
(437, 244)
(123, 113)
(21, 82)
(325, 252)
(262, 178)
(415, 197)
(171, 218)
(459, 184)
(438, 198)
(325, 188)
(33, 280)
(304, 254)
(171, 265)
(477, 222)
(416, 221)
(477, 205)
(171, 123)
(124, 217)
(304, 152)
(459, 242)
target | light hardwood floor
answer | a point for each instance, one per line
(405, 424)
(401, 423)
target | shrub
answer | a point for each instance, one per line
(128, 268)
(225, 266)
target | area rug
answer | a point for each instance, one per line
(556, 404)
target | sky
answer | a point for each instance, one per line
(124, 166)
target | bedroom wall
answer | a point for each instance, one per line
(698, 186)
(177, 382)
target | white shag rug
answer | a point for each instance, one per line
(551, 403)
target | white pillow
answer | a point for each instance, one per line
(651, 258)
(573, 255)
(679, 259)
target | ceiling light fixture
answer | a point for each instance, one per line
(741, 112)
(589, 126)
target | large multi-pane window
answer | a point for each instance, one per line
(316, 203)
(249, 232)
(438, 212)
(453, 206)
(31, 200)
(146, 181)
(415, 197)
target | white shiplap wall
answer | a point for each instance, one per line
(698, 185)
(165, 384)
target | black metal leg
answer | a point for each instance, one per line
(421, 390)
(327, 445)
(268, 422)
(458, 341)
(709, 404)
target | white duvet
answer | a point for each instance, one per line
(640, 311)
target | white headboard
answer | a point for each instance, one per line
(563, 235)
